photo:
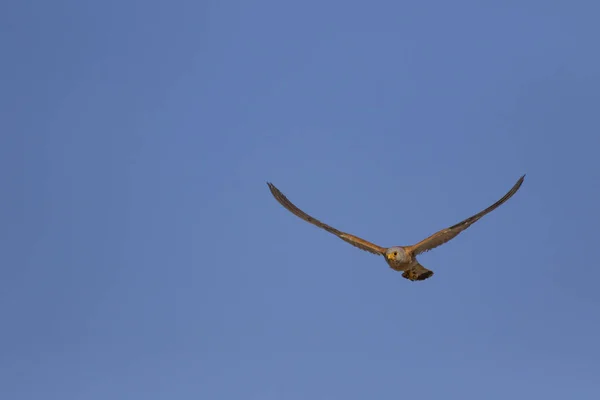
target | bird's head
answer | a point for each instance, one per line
(396, 254)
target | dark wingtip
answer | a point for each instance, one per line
(272, 189)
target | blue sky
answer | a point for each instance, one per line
(143, 256)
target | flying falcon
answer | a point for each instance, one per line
(399, 258)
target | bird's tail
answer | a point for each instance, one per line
(417, 273)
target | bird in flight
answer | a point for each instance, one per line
(399, 258)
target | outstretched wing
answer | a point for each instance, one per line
(353, 240)
(450, 233)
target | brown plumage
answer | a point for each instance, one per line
(399, 258)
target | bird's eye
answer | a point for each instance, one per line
(395, 253)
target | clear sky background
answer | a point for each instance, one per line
(143, 257)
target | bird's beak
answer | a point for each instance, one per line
(390, 256)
